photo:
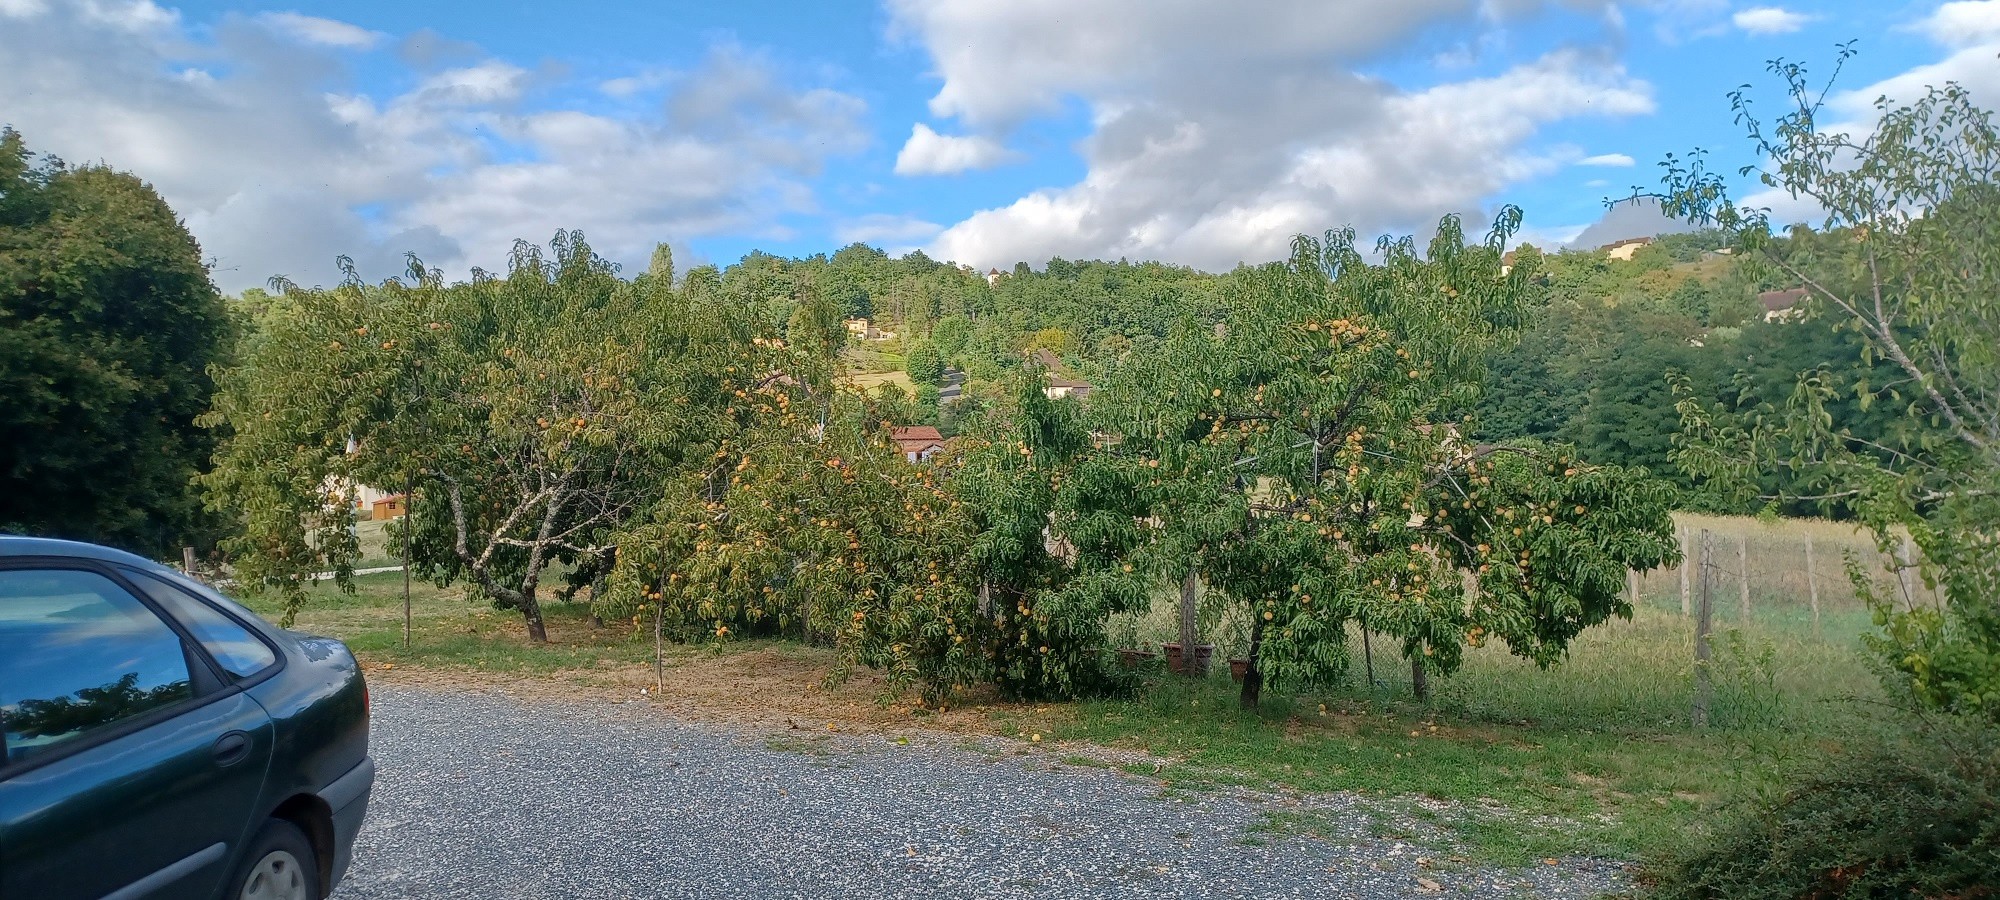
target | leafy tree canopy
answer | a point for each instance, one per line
(534, 414)
(1308, 460)
(108, 324)
(1907, 259)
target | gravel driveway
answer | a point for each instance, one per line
(484, 796)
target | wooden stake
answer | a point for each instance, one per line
(409, 503)
(1632, 586)
(187, 561)
(1687, 558)
(1702, 690)
(1743, 565)
(1812, 583)
(1903, 566)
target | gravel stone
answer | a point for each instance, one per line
(481, 795)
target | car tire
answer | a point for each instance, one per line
(281, 865)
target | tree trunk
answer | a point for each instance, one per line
(409, 509)
(659, 641)
(531, 609)
(1420, 681)
(1190, 660)
(596, 590)
(1253, 680)
(1368, 655)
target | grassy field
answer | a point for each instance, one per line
(872, 364)
(872, 356)
(1595, 755)
(376, 545)
(1774, 556)
(869, 381)
(449, 630)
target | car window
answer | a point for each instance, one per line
(81, 655)
(235, 648)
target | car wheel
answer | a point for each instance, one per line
(279, 866)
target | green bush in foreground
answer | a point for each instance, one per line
(1916, 818)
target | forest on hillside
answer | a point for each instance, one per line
(1591, 368)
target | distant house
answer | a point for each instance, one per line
(1060, 383)
(1780, 306)
(866, 330)
(1623, 250)
(992, 277)
(1061, 386)
(1507, 262)
(918, 442)
(389, 507)
(361, 496)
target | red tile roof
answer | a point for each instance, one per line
(916, 437)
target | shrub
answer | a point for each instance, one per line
(1919, 817)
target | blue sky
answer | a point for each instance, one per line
(986, 131)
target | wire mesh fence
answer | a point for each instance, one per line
(1771, 656)
(1789, 568)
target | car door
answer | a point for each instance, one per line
(129, 767)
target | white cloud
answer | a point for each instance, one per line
(1966, 23)
(21, 9)
(634, 85)
(1969, 32)
(1769, 20)
(1609, 160)
(1221, 130)
(129, 15)
(276, 174)
(930, 153)
(1004, 59)
(886, 230)
(323, 32)
(492, 81)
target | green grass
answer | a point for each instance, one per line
(447, 629)
(873, 356)
(1595, 756)
(873, 381)
(375, 545)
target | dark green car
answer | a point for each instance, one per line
(159, 740)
